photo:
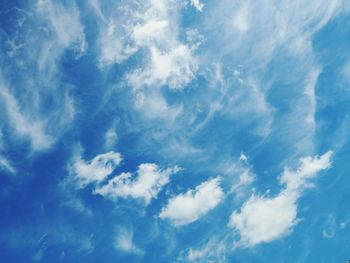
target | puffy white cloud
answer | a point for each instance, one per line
(170, 61)
(263, 219)
(299, 179)
(95, 170)
(190, 206)
(174, 68)
(151, 27)
(146, 185)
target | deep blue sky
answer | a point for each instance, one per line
(174, 131)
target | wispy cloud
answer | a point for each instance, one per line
(35, 52)
(124, 242)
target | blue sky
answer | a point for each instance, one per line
(174, 131)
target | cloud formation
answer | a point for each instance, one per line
(190, 206)
(95, 170)
(124, 241)
(40, 36)
(264, 219)
(145, 185)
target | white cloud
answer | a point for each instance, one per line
(146, 185)
(174, 68)
(241, 19)
(95, 170)
(124, 241)
(34, 49)
(197, 4)
(114, 45)
(277, 30)
(6, 165)
(246, 178)
(150, 32)
(263, 219)
(150, 27)
(243, 157)
(212, 251)
(111, 137)
(65, 22)
(190, 206)
(299, 179)
(23, 125)
(170, 61)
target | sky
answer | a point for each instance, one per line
(174, 131)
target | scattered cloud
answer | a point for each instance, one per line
(243, 157)
(95, 170)
(6, 165)
(264, 219)
(330, 227)
(174, 68)
(25, 125)
(146, 185)
(197, 4)
(190, 206)
(213, 251)
(246, 178)
(39, 38)
(124, 242)
(150, 27)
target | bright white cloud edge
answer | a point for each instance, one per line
(146, 185)
(264, 219)
(188, 207)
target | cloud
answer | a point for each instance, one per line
(6, 165)
(111, 137)
(213, 251)
(241, 19)
(246, 178)
(146, 185)
(22, 124)
(330, 227)
(124, 242)
(170, 61)
(95, 170)
(174, 68)
(197, 4)
(264, 219)
(190, 206)
(37, 103)
(149, 27)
